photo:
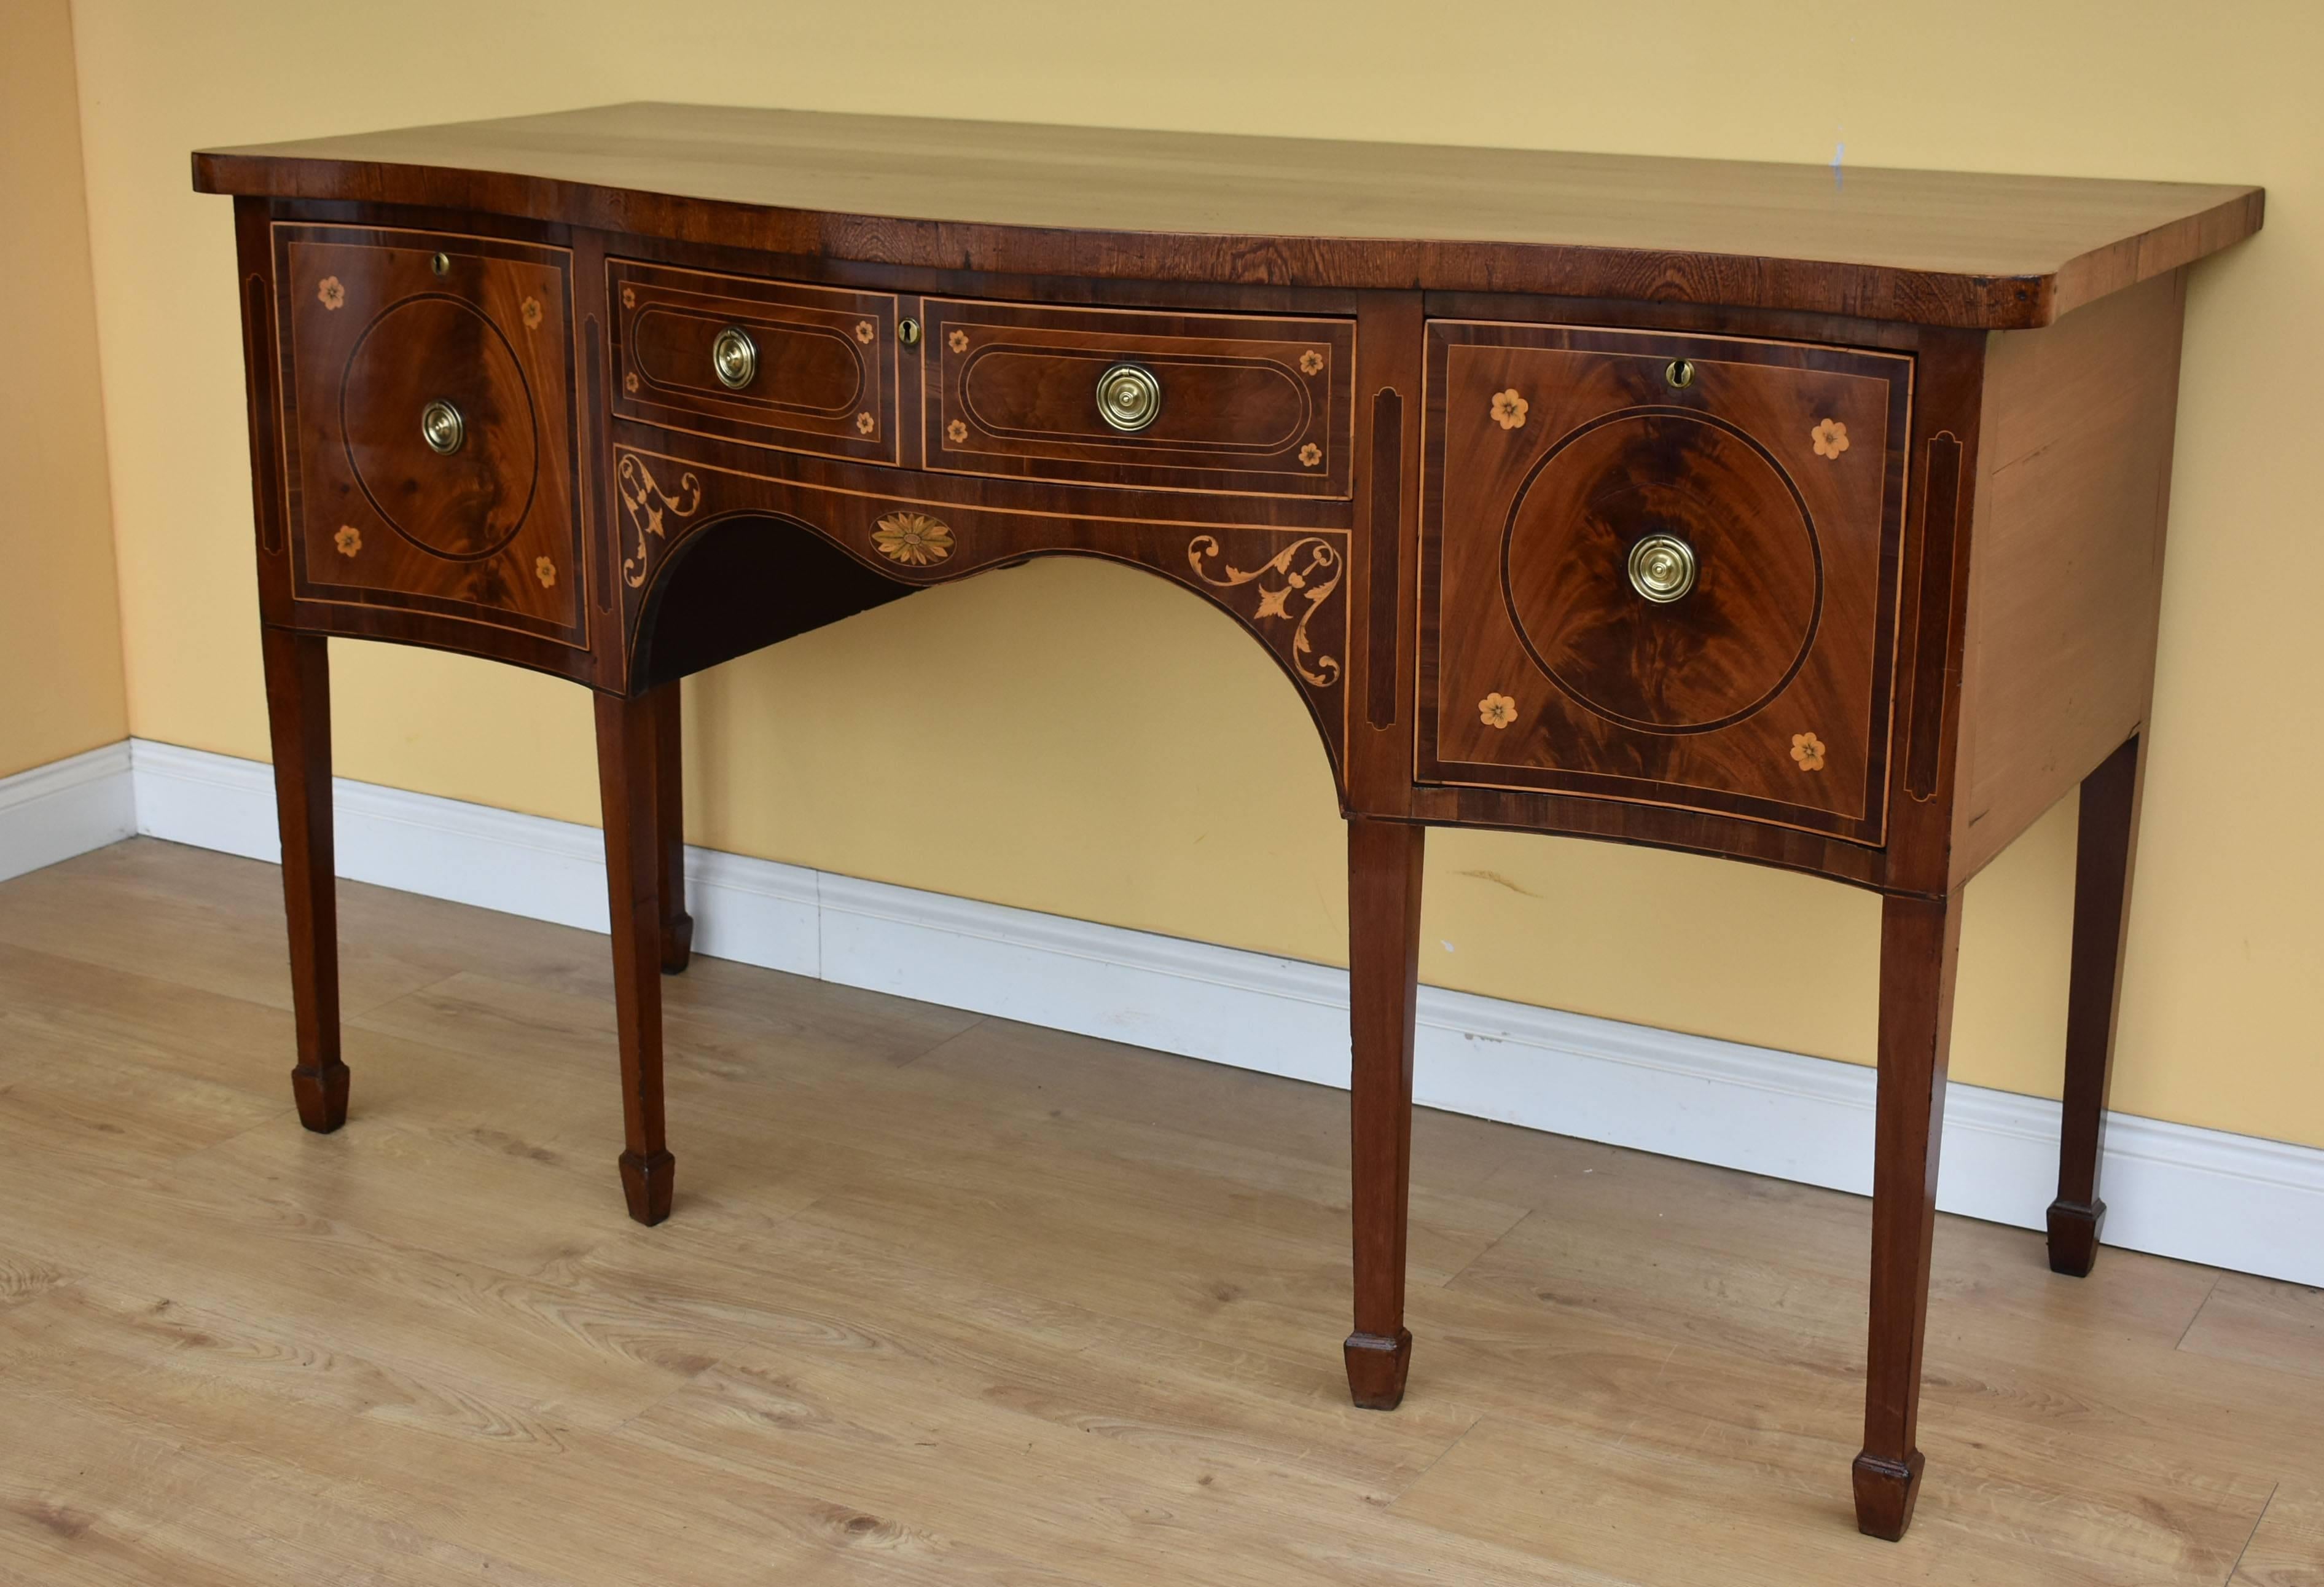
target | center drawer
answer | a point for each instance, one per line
(1255, 405)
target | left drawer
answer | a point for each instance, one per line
(428, 391)
(803, 368)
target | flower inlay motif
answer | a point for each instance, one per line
(545, 570)
(1830, 439)
(349, 540)
(1497, 710)
(958, 341)
(1311, 361)
(955, 432)
(531, 312)
(1309, 455)
(864, 423)
(629, 297)
(1807, 749)
(912, 539)
(863, 332)
(1308, 570)
(331, 293)
(1509, 409)
(630, 382)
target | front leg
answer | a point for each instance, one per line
(299, 720)
(1920, 944)
(1384, 862)
(2102, 863)
(669, 821)
(627, 773)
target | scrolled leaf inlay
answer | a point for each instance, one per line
(1306, 572)
(645, 502)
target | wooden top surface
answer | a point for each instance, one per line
(1930, 247)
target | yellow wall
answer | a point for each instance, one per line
(61, 689)
(1080, 739)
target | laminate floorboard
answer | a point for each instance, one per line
(948, 1300)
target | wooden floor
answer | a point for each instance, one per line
(951, 1301)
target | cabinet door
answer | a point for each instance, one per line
(428, 384)
(1663, 569)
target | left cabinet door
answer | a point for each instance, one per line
(431, 467)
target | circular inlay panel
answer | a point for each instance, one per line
(467, 503)
(1707, 659)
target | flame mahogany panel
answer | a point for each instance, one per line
(1763, 691)
(371, 335)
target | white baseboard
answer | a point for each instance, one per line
(66, 807)
(2205, 1195)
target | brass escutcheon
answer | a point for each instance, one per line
(908, 331)
(1661, 568)
(1128, 396)
(442, 428)
(441, 264)
(734, 358)
(1680, 375)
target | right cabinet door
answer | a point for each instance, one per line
(1663, 569)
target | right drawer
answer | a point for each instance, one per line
(1663, 569)
(1255, 405)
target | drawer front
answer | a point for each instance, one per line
(814, 369)
(1663, 569)
(1253, 404)
(427, 379)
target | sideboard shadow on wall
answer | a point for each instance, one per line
(1714, 506)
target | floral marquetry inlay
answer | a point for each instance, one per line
(645, 502)
(1311, 361)
(1830, 439)
(1807, 749)
(1292, 586)
(1497, 710)
(955, 432)
(545, 570)
(1309, 455)
(349, 540)
(864, 332)
(958, 341)
(865, 424)
(912, 539)
(531, 312)
(1509, 410)
(331, 293)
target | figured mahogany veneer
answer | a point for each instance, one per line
(1247, 403)
(825, 379)
(1421, 412)
(378, 325)
(1763, 691)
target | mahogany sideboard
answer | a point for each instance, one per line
(1804, 517)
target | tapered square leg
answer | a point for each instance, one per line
(626, 780)
(1920, 944)
(669, 827)
(2103, 857)
(1384, 862)
(298, 722)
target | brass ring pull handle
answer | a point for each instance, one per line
(1128, 396)
(1661, 568)
(734, 358)
(442, 428)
